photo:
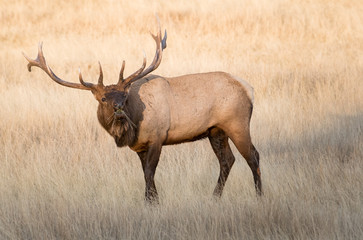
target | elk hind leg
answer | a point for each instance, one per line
(220, 145)
(242, 141)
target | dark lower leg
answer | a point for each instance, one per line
(149, 160)
(221, 148)
(254, 163)
(151, 194)
(223, 175)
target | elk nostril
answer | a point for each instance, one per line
(116, 106)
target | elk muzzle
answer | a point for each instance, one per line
(118, 111)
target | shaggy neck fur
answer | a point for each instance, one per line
(123, 130)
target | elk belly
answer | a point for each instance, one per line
(190, 131)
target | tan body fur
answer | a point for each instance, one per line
(189, 106)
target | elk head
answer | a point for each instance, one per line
(112, 113)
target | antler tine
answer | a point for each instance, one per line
(121, 77)
(136, 74)
(160, 46)
(41, 63)
(86, 84)
(159, 49)
(100, 79)
(163, 42)
(35, 62)
(91, 85)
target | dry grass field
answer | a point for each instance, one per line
(62, 176)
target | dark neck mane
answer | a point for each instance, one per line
(123, 131)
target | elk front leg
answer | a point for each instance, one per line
(149, 160)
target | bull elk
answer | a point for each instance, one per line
(145, 112)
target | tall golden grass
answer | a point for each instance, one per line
(62, 177)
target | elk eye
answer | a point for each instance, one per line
(103, 99)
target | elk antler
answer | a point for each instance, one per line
(160, 46)
(42, 64)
